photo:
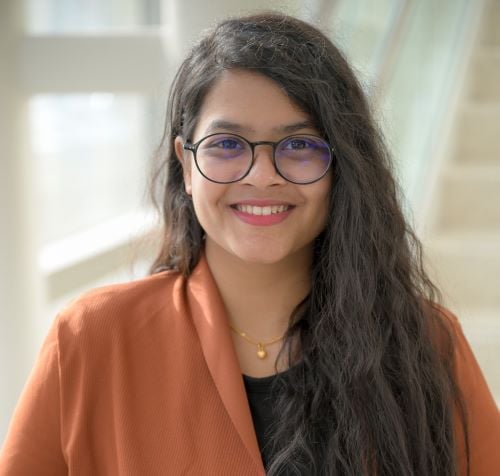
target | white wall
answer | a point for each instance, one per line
(20, 285)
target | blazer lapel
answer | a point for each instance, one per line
(209, 317)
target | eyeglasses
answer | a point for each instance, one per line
(227, 158)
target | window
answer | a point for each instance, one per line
(69, 16)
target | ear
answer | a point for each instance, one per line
(183, 158)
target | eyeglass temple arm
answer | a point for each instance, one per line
(189, 146)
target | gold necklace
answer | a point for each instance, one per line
(261, 346)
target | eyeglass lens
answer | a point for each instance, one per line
(228, 158)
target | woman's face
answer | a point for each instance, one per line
(253, 106)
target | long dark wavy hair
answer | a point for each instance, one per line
(374, 391)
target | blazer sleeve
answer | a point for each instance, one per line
(33, 441)
(483, 416)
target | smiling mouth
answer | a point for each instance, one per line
(266, 210)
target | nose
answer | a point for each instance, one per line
(263, 172)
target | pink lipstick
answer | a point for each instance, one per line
(262, 212)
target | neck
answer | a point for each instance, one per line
(260, 298)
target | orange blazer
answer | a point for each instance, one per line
(142, 379)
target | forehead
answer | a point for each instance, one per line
(253, 102)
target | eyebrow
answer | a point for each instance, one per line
(221, 124)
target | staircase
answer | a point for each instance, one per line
(463, 244)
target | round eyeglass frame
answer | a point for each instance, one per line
(193, 147)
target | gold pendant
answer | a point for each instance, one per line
(261, 351)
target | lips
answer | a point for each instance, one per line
(259, 210)
(262, 212)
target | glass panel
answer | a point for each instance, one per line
(362, 29)
(70, 16)
(420, 79)
(90, 154)
(421, 86)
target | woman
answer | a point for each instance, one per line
(288, 326)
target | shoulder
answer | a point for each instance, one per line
(444, 328)
(121, 308)
(467, 370)
(451, 343)
(478, 407)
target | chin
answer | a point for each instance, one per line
(259, 260)
(262, 255)
(254, 251)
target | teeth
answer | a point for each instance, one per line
(268, 210)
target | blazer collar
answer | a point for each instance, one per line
(210, 319)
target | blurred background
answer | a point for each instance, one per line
(83, 86)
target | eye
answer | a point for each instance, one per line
(225, 143)
(228, 144)
(297, 143)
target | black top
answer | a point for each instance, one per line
(261, 393)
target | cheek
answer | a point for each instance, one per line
(322, 198)
(206, 197)
(200, 191)
(198, 195)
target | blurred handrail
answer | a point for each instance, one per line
(391, 45)
(386, 53)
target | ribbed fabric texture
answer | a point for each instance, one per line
(121, 387)
(142, 379)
